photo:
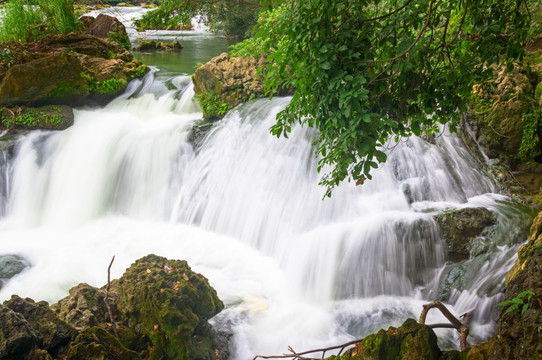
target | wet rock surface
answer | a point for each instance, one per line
(460, 227)
(160, 310)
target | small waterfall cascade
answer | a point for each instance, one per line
(244, 208)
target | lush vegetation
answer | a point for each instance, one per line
(234, 18)
(367, 70)
(25, 20)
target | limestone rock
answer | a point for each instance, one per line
(152, 45)
(36, 79)
(496, 113)
(55, 333)
(109, 27)
(18, 341)
(411, 341)
(83, 308)
(225, 82)
(459, 227)
(97, 344)
(11, 265)
(170, 304)
(72, 69)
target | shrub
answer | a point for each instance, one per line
(23, 22)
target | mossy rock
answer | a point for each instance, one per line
(170, 305)
(84, 307)
(18, 340)
(411, 341)
(97, 344)
(55, 333)
(49, 117)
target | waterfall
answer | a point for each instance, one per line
(244, 208)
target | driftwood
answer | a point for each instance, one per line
(460, 326)
(106, 298)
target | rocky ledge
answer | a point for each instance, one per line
(225, 82)
(75, 69)
(160, 309)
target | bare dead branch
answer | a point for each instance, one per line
(458, 325)
(106, 298)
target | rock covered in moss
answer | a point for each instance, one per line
(225, 82)
(84, 307)
(152, 45)
(170, 304)
(96, 343)
(460, 227)
(496, 111)
(72, 69)
(18, 340)
(49, 117)
(519, 335)
(411, 341)
(55, 333)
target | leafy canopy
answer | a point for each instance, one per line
(233, 17)
(364, 70)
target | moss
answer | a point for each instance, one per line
(46, 117)
(169, 303)
(212, 106)
(120, 38)
(411, 341)
(65, 90)
(136, 69)
(107, 87)
(96, 343)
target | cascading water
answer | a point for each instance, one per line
(244, 209)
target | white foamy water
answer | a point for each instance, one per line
(245, 210)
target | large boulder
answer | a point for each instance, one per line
(411, 341)
(18, 340)
(225, 82)
(72, 69)
(496, 113)
(460, 227)
(170, 304)
(109, 27)
(55, 333)
(160, 307)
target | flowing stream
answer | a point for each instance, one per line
(244, 209)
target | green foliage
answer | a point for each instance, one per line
(22, 22)
(169, 14)
(32, 118)
(530, 141)
(107, 87)
(518, 301)
(211, 105)
(365, 71)
(120, 38)
(535, 15)
(233, 18)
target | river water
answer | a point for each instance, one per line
(244, 209)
